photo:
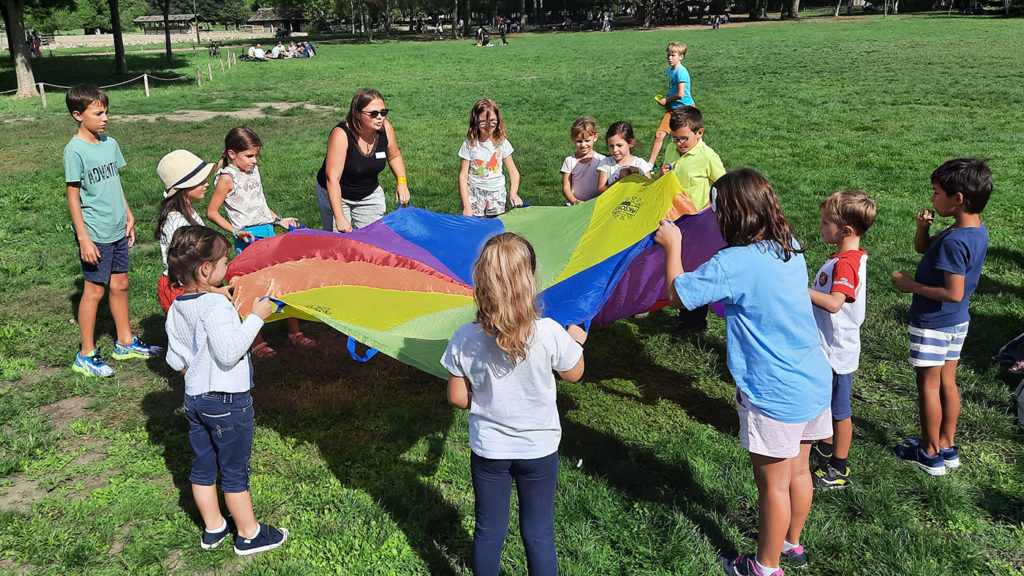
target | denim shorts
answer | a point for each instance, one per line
(113, 260)
(220, 430)
(842, 384)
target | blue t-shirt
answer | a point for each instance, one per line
(957, 251)
(679, 74)
(773, 349)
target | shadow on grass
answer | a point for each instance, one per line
(151, 328)
(380, 427)
(68, 70)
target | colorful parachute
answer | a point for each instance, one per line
(404, 283)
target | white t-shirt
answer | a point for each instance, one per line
(609, 167)
(840, 332)
(485, 163)
(512, 411)
(174, 221)
(584, 175)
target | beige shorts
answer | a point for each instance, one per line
(761, 434)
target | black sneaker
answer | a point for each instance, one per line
(829, 477)
(818, 456)
(211, 540)
(266, 538)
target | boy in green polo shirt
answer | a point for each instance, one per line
(698, 166)
(104, 229)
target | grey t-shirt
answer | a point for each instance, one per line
(512, 411)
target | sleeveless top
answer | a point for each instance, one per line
(359, 179)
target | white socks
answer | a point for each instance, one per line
(764, 571)
(786, 546)
(221, 529)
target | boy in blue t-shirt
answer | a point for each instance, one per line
(104, 229)
(946, 277)
(678, 94)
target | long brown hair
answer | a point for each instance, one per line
(505, 290)
(363, 97)
(177, 202)
(239, 139)
(480, 110)
(748, 212)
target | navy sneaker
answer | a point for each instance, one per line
(266, 538)
(950, 456)
(137, 349)
(828, 477)
(797, 557)
(933, 465)
(211, 540)
(745, 565)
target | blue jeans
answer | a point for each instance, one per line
(220, 430)
(536, 481)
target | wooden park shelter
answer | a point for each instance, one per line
(178, 23)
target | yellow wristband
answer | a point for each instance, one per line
(403, 180)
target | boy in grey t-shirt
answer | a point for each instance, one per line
(104, 229)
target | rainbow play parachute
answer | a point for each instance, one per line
(404, 283)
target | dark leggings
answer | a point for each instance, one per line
(536, 481)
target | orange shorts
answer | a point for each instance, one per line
(167, 292)
(663, 126)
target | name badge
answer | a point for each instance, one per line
(382, 155)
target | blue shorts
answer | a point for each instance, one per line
(841, 386)
(259, 232)
(220, 430)
(936, 346)
(113, 260)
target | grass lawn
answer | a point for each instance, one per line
(368, 466)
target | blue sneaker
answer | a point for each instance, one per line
(797, 557)
(933, 465)
(137, 349)
(950, 456)
(91, 365)
(745, 565)
(211, 540)
(266, 538)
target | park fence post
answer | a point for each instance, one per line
(209, 70)
(229, 61)
(42, 94)
(222, 65)
(145, 83)
(199, 78)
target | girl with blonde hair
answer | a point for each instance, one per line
(500, 369)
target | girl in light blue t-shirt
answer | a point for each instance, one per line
(500, 368)
(783, 381)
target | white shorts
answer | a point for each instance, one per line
(761, 434)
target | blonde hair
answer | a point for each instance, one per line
(585, 126)
(849, 208)
(677, 48)
(479, 111)
(505, 290)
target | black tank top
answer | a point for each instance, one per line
(359, 179)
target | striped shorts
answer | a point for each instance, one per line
(936, 346)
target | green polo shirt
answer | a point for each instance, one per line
(697, 170)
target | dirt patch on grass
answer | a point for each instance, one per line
(257, 111)
(22, 494)
(63, 412)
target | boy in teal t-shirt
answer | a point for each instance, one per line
(104, 229)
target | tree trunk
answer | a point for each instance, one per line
(387, 17)
(165, 6)
(469, 18)
(352, 12)
(455, 20)
(14, 20)
(522, 15)
(838, 4)
(115, 23)
(364, 18)
(794, 12)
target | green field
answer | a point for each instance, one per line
(366, 464)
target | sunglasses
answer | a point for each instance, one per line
(677, 140)
(383, 112)
(487, 122)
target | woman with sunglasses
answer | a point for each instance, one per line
(347, 186)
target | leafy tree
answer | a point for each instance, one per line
(13, 12)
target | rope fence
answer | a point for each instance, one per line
(231, 59)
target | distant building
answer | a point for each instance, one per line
(178, 23)
(270, 20)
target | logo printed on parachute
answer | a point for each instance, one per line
(627, 208)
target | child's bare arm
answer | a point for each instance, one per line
(831, 302)
(602, 182)
(224, 185)
(88, 250)
(467, 210)
(922, 236)
(573, 374)
(951, 291)
(671, 239)
(567, 188)
(513, 178)
(130, 226)
(458, 391)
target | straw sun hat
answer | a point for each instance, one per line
(182, 169)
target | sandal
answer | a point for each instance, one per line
(263, 350)
(1017, 368)
(301, 340)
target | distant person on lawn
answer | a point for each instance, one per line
(348, 189)
(209, 344)
(104, 229)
